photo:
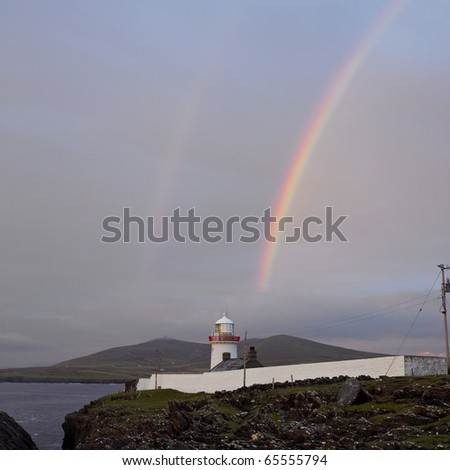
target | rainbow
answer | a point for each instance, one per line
(315, 128)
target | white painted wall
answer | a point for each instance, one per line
(231, 380)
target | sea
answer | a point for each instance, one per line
(40, 408)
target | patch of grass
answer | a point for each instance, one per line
(441, 422)
(384, 407)
(226, 408)
(146, 400)
(432, 442)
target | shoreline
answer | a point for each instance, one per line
(60, 381)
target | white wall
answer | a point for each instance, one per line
(213, 381)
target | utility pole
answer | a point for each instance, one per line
(158, 367)
(445, 289)
(245, 358)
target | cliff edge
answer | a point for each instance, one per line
(13, 436)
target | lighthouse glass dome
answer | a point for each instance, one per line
(223, 330)
(224, 326)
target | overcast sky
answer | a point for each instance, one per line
(158, 105)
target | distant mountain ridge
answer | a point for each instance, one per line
(184, 356)
(177, 356)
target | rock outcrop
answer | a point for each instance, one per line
(13, 436)
(394, 413)
(76, 428)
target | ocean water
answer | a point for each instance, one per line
(40, 408)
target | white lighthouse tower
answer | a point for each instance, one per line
(223, 341)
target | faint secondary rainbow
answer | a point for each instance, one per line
(315, 128)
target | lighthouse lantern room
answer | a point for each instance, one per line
(223, 340)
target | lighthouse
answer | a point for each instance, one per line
(223, 341)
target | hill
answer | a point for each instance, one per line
(284, 349)
(139, 360)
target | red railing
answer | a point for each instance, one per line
(224, 338)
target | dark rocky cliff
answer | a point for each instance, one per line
(394, 413)
(13, 436)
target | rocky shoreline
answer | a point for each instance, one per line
(338, 413)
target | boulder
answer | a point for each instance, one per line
(179, 418)
(131, 386)
(13, 436)
(351, 393)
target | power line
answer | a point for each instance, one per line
(357, 318)
(412, 324)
